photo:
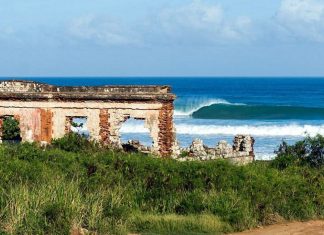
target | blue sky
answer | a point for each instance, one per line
(162, 38)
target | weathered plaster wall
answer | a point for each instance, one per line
(42, 121)
(150, 117)
(61, 114)
(29, 119)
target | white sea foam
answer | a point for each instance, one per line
(198, 104)
(264, 156)
(260, 130)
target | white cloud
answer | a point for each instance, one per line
(204, 21)
(195, 15)
(6, 32)
(303, 18)
(102, 30)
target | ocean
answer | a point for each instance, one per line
(214, 109)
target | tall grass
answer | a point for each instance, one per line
(54, 191)
(178, 224)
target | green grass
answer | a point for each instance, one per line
(52, 191)
(178, 224)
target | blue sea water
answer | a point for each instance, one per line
(270, 109)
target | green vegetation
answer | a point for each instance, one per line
(68, 186)
(73, 142)
(309, 151)
(10, 129)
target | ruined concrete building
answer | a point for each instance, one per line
(46, 111)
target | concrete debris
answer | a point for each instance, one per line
(241, 152)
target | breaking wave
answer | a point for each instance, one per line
(260, 112)
(196, 105)
(294, 130)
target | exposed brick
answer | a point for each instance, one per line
(166, 134)
(104, 126)
(46, 125)
(68, 124)
(17, 117)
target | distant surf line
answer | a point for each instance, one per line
(294, 130)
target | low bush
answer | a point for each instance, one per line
(10, 129)
(74, 142)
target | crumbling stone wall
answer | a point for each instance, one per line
(151, 121)
(241, 152)
(45, 111)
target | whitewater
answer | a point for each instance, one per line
(262, 130)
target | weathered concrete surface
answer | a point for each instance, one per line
(28, 90)
(45, 111)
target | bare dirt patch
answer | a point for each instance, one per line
(294, 228)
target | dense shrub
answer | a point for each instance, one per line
(54, 190)
(74, 142)
(309, 151)
(10, 129)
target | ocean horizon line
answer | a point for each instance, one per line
(159, 77)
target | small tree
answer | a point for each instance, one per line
(308, 151)
(10, 129)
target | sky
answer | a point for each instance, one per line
(161, 38)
